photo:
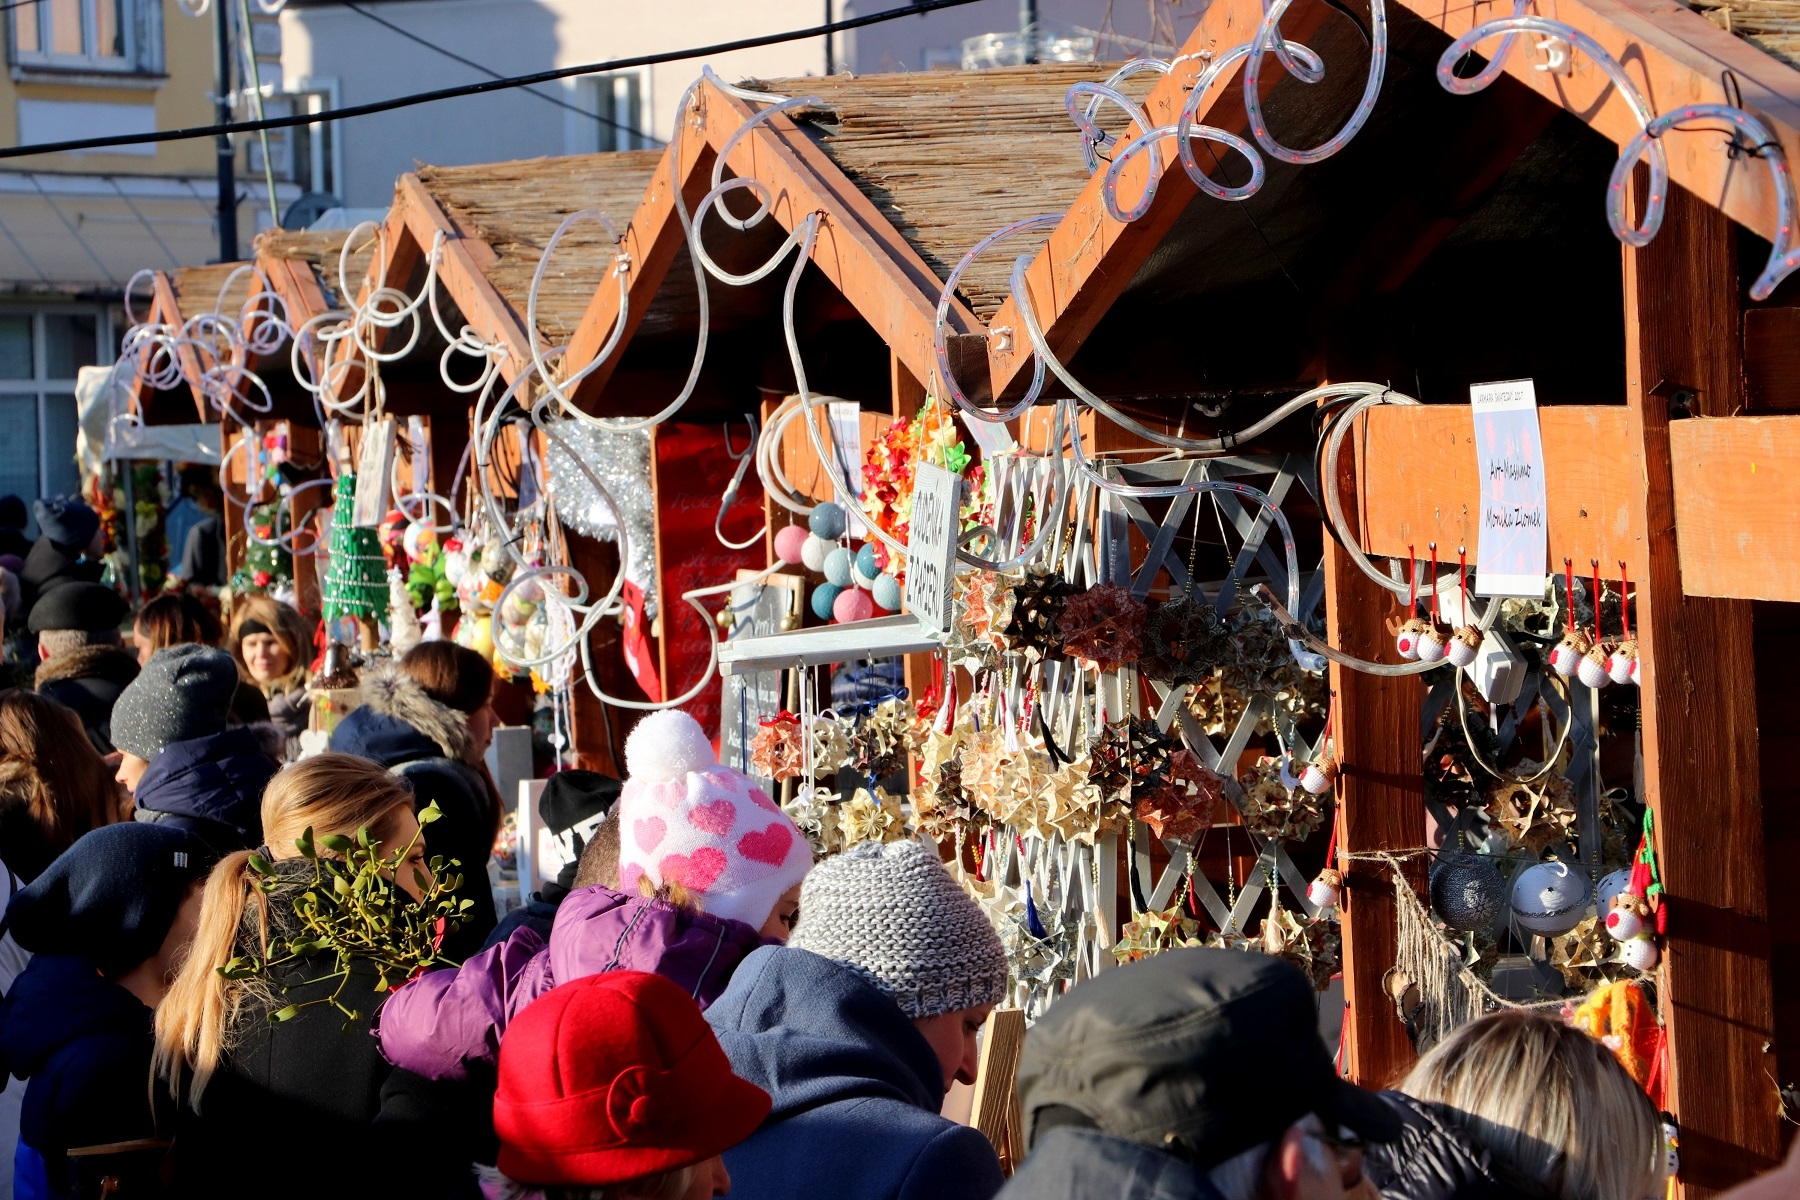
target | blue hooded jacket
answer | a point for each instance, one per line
(856, 1090)
(84, 1045)
(210, 786)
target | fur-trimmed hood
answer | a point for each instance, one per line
(389, 692)
(110, 663)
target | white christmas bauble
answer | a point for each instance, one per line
(1625, 923)
(517, 609)
(815, 551)
(1549, 898)
(1432, 647)
(1640, 953)
(1318, 777)
(1592, 673)
(1322, 895)
(1460, 653)
(1611, 884)
(865, 582)
(456, 565)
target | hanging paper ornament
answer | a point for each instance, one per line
(790, 541)
(1272, 809)
(1640, 953)
(828, 521)
(1467, 892)
(1103, 627)
(1183, 641)
(824, 597)
(1038, 602)
(1319, 776)
(1549, 898)
(837, 567)
(775, 750)
(1187, 803)
(886, 593)
(1324, 891)
(852, 604)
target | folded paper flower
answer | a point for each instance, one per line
(1103, 627)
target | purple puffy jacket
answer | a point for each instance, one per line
(440, 1022)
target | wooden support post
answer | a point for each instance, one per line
(1701, 778)
(1380, 798)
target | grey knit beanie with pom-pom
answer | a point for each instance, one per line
(892, 913)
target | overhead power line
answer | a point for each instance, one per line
(918, 8)
(453, 56)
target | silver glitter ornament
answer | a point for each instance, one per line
(1467, 892)
(621, 460)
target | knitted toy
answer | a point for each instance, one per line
(1622, 1018)
(686, 819)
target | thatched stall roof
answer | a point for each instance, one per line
(320, 250)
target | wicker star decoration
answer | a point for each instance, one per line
(1031, 622)
(1183, 641)
(1188, 802)
(1103, 627)
(1533, 815)
(775, 751)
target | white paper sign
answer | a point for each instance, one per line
(1512, 542)
(931, 547)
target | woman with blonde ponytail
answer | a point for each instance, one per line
(265, 1062)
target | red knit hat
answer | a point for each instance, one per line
(613, 1077)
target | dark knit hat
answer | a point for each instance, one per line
(12, 512)
(89, 607)
(574, 796)
(183, 692)
(112, 896)
(66, 522)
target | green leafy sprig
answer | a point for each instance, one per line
(353, 909)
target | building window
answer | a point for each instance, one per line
(90, 35)
(619, 111)
(40, 353)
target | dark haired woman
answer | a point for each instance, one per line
(427, 719)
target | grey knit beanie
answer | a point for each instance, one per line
(183, 692)
(893, 914)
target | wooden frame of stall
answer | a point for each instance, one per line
(1414, 481)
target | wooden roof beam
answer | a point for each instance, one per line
(1090, 258)
(166, 304)
(857, 248)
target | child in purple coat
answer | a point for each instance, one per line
(722, 866)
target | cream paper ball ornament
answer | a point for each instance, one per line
(1549, 898)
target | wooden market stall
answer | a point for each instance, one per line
(1459, 239)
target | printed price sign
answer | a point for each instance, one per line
(931, 547)
(1512, 546)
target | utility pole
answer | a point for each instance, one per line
(828, 18)
(228, 235)
(1028, 30)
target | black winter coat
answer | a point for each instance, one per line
(1433, 1158)
(315, 1090)
(89, 681)
(84, 1045)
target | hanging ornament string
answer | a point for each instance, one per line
(1599, 634)
(1569, 592)
(1434, 588)
(1412, 581)
(1462, 582)
(1625, 600)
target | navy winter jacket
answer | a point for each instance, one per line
(84, 1045)
(856, 1090)
(210, 786)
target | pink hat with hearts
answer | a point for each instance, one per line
(686, 819)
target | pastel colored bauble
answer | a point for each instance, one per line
(828, 521)
(1625, 923)
(419, 540)
(1549, 898)
(1640, 953)
(1459, 652)
(456, 565)
(1322, 895)
(852, 605)
(1432, 646)
(517, 610)
(886, 593)
(530, 590)
(837, 567)
(814, 553)
(824, 597)
(1318, 777)
(861, 578)
(1611, 884)
(1467, 892)
(789, 540)
(867, 562)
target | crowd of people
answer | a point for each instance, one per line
(231, 967)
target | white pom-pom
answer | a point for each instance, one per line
(667, 745)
